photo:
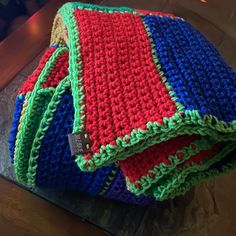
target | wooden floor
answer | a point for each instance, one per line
(23, 213)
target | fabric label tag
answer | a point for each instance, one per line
(79, 143)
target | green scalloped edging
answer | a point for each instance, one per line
(161, 170)
(188, 123)
(176, 184)
(20, 121)
(75, 64)
(91, 7)
(42, 129)
(204, 175)
(31, 118)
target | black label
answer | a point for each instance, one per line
(79, 143)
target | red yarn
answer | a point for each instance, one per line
(180, 155)
(138, 165)
(59, 71)
(32, 79)
(155, 13)
(122, 88)
(204, 155)
(152, 175)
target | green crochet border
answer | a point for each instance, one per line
(75, 64)
(167, 185)
(25, 135)
(157, 133)
(172, 127)
(43, 127)
(177, 179)
(159, 171)
(91, 7)
(204, 175)
(106, 9)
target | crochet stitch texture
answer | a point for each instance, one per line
(153, 96)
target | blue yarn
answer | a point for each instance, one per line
(54, 46)
(198, 75)
(118, 191)
(96, 186)
(226, 161)
(14, 128)
(56, 168)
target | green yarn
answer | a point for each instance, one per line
(162, 170)
(180, 181)
(189, 123)
(204, 175)
(75, 64)
(91, 7)
(42, 129)
(37, 105)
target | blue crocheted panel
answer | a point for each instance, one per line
(15, 122)
(194, 69)
(56, 167)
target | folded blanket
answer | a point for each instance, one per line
(39, 145)
(147, 103)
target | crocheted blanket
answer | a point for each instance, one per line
(129, 104)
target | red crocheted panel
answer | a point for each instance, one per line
(140, 164)
(32, 79)
(122, 86)
(58, 72)
(204, 155)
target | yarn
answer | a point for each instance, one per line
(148, 102)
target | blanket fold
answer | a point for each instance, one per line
(148, 104)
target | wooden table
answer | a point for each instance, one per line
(24, 213)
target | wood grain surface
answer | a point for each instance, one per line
(23, 213)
